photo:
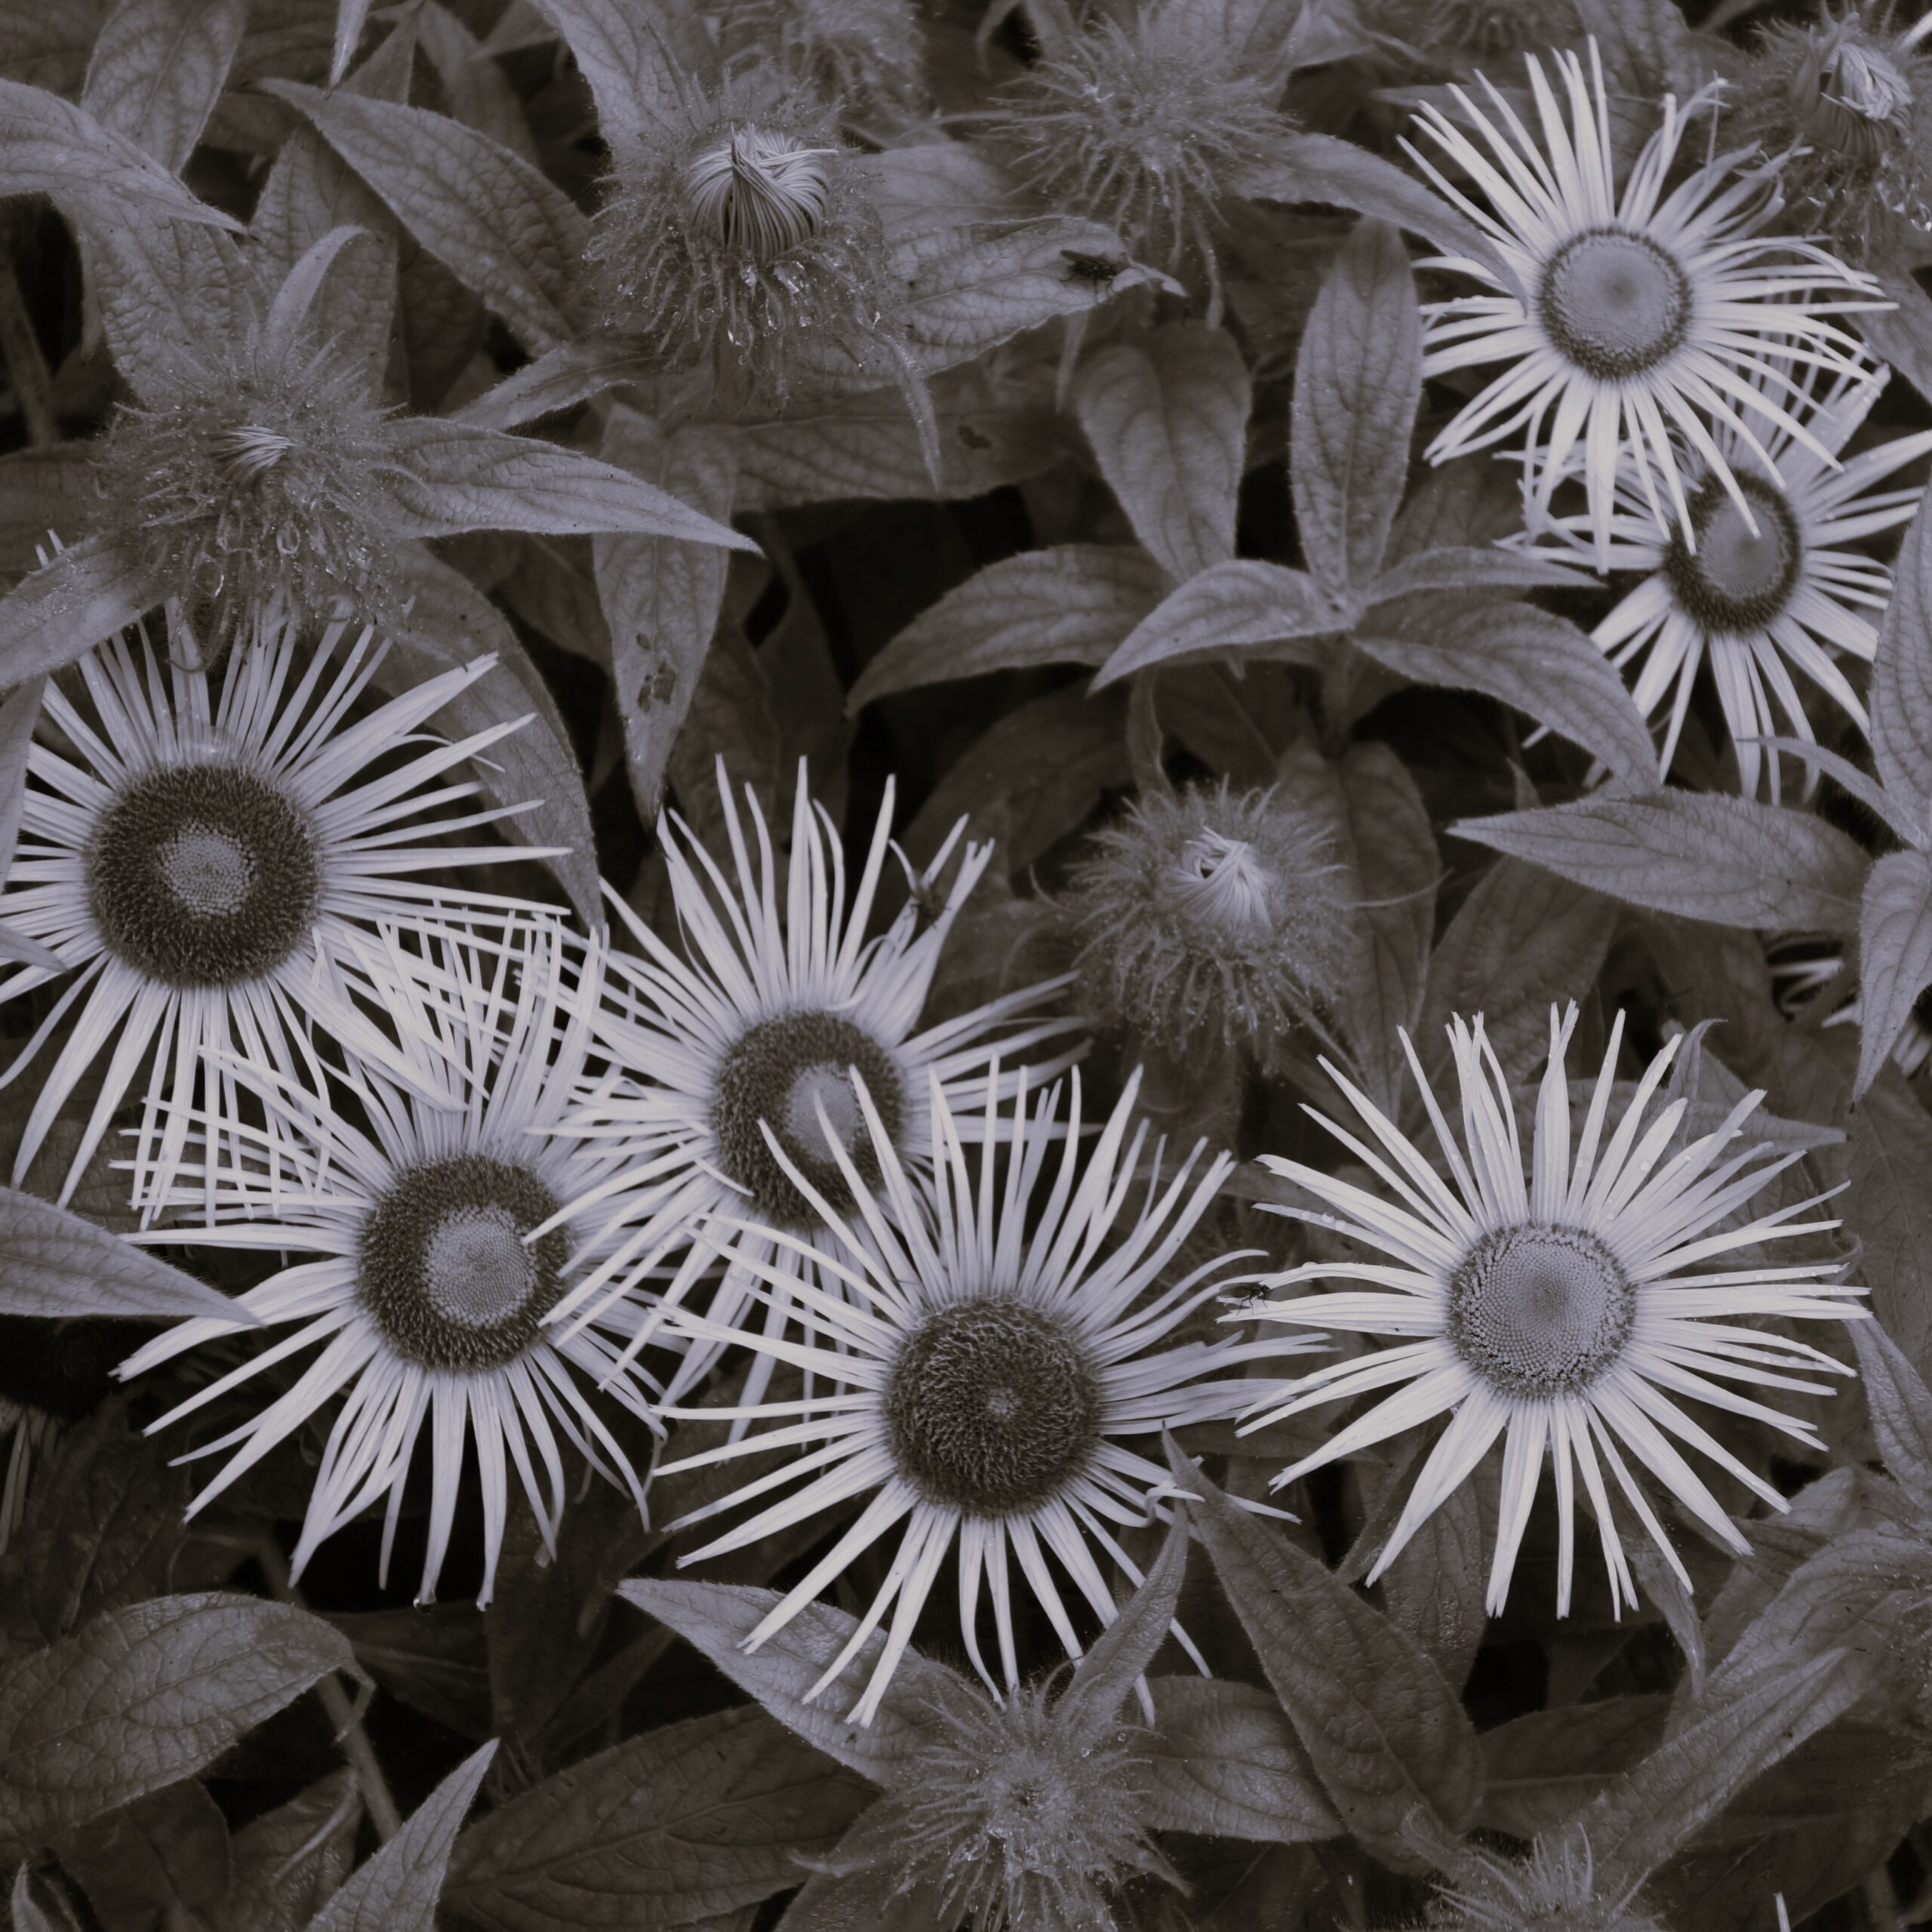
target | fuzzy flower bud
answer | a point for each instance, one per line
(866, 54)
(1478, 32)
(1210, 917)
(1847, 104)
(1143, 122)
(1553, 1889)
(739, 234)
(257, 488)
(1010, 1819)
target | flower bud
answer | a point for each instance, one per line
(866, 54)
(1553, 1889)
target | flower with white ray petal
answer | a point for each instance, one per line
(974, 1382)
(432, 1222)
(1567, 1314)
(1630, 315)
(778, 999)
(1756, 605)
(198, 844)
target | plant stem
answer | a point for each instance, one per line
(342, 1713)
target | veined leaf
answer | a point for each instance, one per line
(558, 379)
(1889, 1206)
(166, 1853)
(458, 478)
(157, 68)
(1543, 1766)
(1734, 862)
(283, 1866)
(50, 146)
(55, 1266)
(1225, 1761)
(1103, 1678)
(1387, 1737)
(141, 1698)
(1900, 1407)
(1072, 603)
(1357, 387)
(1168, 419)
(1533, 661)
(715, 1618)
(397, 1890)
(1894, 954)
(660, 597)
(175, 299)
(631, 52)
(509, 236)
(1242, 605)
(1469, 568)
(671, 1828)
(1901, 703)
(18, 716)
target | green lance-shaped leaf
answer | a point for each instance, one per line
(1534, 661)
(1109, 1671)
(50, 146)
(660, 597)
(1900, 1407)
(1888, 1206)
(1703, 855)
(457, 478)
(397, 1890)
(56, 1265)
(1357, 386)
(632, 52)
(83, 595)
(1901, 704)
(514, 240)
(142, 1697)
(1466, 566)
(165, 1855)
(18, 716)
(157, 71)
(1523, 938)
(450, 623)
(1387, 1737)
(28, 1915)
(1167, 416)
(1071, 604)
(1543, 1766)
(176, 301)
(1894, 954)
(1652, 1812)
(1225, 1762)
(1241, 606)
(681, 1825)
(283, 1866)
(715, 1618)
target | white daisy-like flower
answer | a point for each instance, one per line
(435, 1212)
(992, 1347)
(1757, 604)
(1807, 970)
(1568, 1314)
(777, 999)
(1630, 315)
(191, 853)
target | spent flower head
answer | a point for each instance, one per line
(1210, 914)
(1143, 121)
(1013, 1816)
(1844, 100)
(866, 54)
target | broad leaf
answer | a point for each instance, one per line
(451, 623)
(1073, 604)
(1900, 1407)
(1888, 1206)
(500, 227)
(18, 716)
(1167, 416)
(82, 597)
(632, 53)
(1241, 606)
(1704, 855)
(1534, 661)
(1543, 1767)
(55, 1266)
(458, 478)
(559, 379)
(50, 146)
(1388, 1738)
(141, 1698)
(1652, 1810)
(1357, 386)
(1901, 700)
(1463, 567)
(682, 1823)
(397, 1890)
(660, 598)
(1104, 1678)
(283, 1866)
(28, 1915)
(1894, 954)
(177, 303)
(1226, 1762)
(165, 1855)
(157, 68)
(715, 1618)
(1522, 939)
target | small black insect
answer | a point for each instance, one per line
(1092, 268)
